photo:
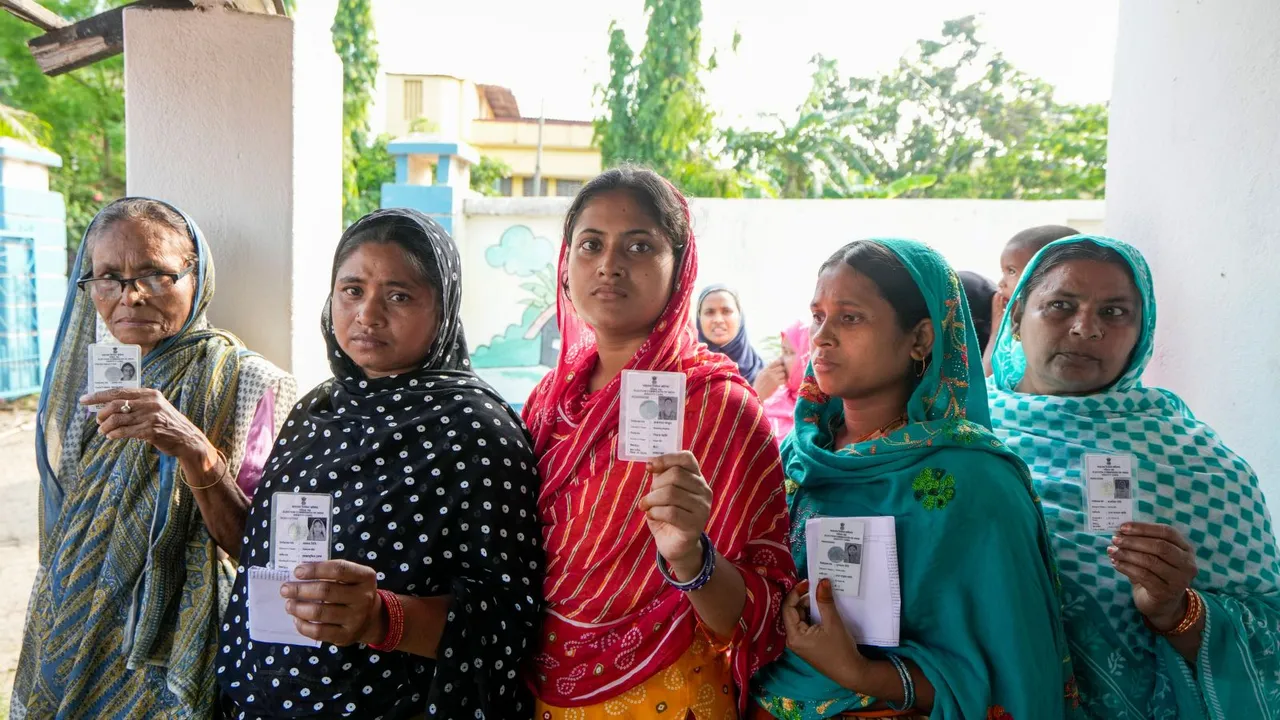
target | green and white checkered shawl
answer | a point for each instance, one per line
(1185, 477)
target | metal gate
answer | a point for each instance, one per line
(19, 330)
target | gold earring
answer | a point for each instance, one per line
(921, 366)
(1017, 337)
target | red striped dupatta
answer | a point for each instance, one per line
(612, 621)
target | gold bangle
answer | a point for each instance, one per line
(226, 467)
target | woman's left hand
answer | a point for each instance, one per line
(677, 509)
(343, 608)
(146, 414)
(828, 646)
(1161, 565)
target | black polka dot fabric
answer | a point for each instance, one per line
(434, 485)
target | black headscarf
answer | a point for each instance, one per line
(434, 485)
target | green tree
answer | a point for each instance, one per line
(353, 39)
(486, 174)
(960, 111)
(953, 119)
(79, 115)
(654, 108)
(817, 155)
(373, 166)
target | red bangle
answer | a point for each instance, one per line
(1195, 611)
(395, 622)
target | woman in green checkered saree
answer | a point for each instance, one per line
(1177, 613)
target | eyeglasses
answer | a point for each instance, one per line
(153, 285)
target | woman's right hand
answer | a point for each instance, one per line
(772, 377)
(828, 647)
(342, 609)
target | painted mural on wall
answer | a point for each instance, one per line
(534, 341)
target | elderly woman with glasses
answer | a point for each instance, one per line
(142, 500)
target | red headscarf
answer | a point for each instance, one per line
(612, 621)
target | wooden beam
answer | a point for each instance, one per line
(34, 13)
(90, 40)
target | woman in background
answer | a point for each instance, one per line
(779, 384)
(723, 327)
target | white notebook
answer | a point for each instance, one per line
(268, 621)
(873, 612)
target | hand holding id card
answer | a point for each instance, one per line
(652, 415)
(112, 367)
(300, 530)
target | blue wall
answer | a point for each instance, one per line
(33, 274)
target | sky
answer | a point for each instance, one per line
(556, 50)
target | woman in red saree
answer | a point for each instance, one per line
(621, 637)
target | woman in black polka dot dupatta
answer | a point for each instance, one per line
(434, 488)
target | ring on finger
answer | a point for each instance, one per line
(126, 408)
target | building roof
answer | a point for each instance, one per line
(501, 100)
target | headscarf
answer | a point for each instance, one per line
(127, 564)
(1185, 477)
(980, 610)
(739, 349)
(434, 486)
(780, 407)
(979, 291)
(612, 621)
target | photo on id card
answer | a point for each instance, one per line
(300, 528)
(652, 415)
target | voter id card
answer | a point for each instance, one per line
(652, 415)
(839, 555)
(112, 367)
(1109, 491)
(300, 528)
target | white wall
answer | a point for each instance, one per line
(769, 249)
(1194, 181)
(210, 102)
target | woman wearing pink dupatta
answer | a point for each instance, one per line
(780, 406)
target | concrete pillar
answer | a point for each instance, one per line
(432, 176)
(237, 119)
(1194, 181)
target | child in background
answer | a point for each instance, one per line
(1017, 253)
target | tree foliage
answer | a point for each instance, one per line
(373, 166)
(354, 41)
(486, 175)
(961, 112)
(654, 106)
(954, 119)
(79, 115)
(817, 155)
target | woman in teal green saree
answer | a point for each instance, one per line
(1176, 615)
(893, 421)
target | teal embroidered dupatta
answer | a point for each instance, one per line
(1185, 477)
(980, 603)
